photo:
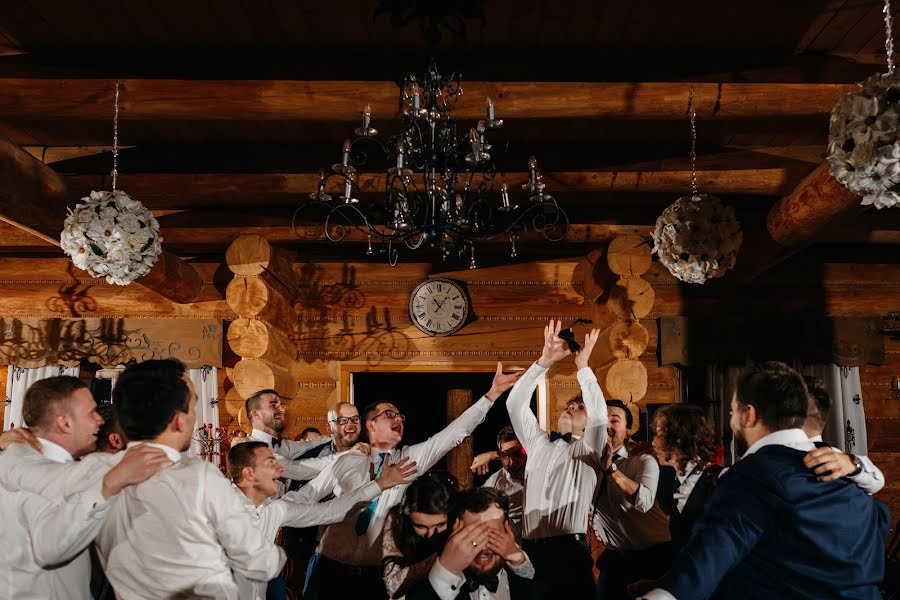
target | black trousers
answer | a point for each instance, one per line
(330, 580)
(562, 565)
(618, 569)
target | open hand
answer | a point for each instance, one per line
(583, 355)
(139, 463)
(829, 465)
(607, 458)
(463, 546)
(396, 474)
(503, 543)
(482, 462)
(502, 382)
(555, 348)
(362, 447)
(18, 435)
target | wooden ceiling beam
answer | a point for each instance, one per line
(35, 199)
(283, 100)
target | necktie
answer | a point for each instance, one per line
(365, 517)
(490, 583)
(555, 435)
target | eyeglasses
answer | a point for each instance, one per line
(390, 415)
(511, 453)
(345, 420)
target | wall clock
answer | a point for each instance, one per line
(439, 306)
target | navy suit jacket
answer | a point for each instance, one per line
(772, 531)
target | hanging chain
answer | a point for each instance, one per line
(889, 37)
(115, 173)
(693, 115)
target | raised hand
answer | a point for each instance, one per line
(502, 382)
(139, 463)
(583, 355)
(482, 462)
(18, 435)
(503, 543)
(829, 465)
(362, 447)
(463, 546)
(396, 474)
(555, 348)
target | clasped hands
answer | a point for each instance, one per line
(556, 348)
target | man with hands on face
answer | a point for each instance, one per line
(562, 470)
(481, 560)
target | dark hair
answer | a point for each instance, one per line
(148, 395)
(309, 430)
(507, 434)
(579, 399)
(240, 456)
(629, 418)
(110, 425)
(819, 401)
(433, 494)
(368, 412)
(778, 394)
(253, 402)
(480, 499)
(685, 435)
(45, 396)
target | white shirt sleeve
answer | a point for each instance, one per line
(870, 479)
(658, 594)
(593, 442)
(291, 449)
(306, 514)
(248, 551)
(648, 480)
(444, 583)
(518, 404)
(61, 531)
(304, 469)
(427, 453)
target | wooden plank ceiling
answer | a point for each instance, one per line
(230, 109)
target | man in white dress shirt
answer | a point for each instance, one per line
(182, 532)
(627, 517)
(510, 478)
(254, 471)
(350, 551)
(481, 560)
(560, 475)
(46, 531)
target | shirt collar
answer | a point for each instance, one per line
(622, 452)
(792, 438)
(816, 438)
(55, 452)
(688, 470)
(262, 436)
(173, 454)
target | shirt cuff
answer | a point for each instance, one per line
(525, 570)
(444, 583)
(585, 375)
(371, 490)
(658, 594)
(93, 497)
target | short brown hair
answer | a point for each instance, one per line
(778, 394)
(253, 402)
(507, 434)
(686, 435)
(240, 456)
(109, 427)
(43, 399)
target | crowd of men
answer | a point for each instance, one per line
(108, 506)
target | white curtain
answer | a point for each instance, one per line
(846, 426)
(18, 380)
(206, 385)
(721, 382)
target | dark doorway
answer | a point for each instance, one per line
(422, 397)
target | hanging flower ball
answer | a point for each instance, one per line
(863, 146)
(697, 238)
(110, 235)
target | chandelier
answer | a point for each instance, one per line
(441, 185)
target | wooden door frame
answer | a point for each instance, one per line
(348, 368)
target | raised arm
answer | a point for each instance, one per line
(593, 442)
(291, 449)
(59, 531)
(427, 453)
(305, 468)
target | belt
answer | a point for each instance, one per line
(554, 539)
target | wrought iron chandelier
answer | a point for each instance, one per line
(442, 187)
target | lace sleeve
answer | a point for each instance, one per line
(399, 579)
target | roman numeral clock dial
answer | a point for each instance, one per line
(439, 307)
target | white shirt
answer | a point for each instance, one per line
(289, 450)
(870, 479)
(351, 470)
(287, 511)
(560, 477)
(44, 544)
(687, 482)
(626, 526)
(447, 585)
(504, 482)
(180, 533)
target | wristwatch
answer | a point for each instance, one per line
(612, 469)
(858, 463)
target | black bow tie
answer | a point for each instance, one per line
(555, 435)
(474, 582)
(276, 442)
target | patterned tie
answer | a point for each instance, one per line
(365, 517)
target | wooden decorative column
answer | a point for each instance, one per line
(460, 458)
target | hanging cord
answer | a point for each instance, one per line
(889, 37)
(693, 115)
(115, 173)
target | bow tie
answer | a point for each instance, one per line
(473, 582)
(555, 435)
(276, 442)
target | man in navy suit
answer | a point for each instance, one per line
(771, 530)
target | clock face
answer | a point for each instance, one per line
(439, 307)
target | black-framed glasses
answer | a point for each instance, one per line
(390, 414)
(511, 453)
(345, 420)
